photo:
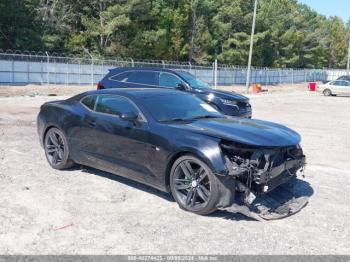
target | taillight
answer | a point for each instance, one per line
(99, 86)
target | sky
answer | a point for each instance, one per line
(330, 7)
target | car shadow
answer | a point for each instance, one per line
(228, 215)
(340, 96)
(127, 182)
(296, 188)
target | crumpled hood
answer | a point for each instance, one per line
(223, 94)
(244, 131)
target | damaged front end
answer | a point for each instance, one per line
(257, 173)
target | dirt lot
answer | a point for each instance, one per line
(85, 211)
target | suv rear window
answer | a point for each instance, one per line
(122, 77)
(143, 77)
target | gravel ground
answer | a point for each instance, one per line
(85, 211)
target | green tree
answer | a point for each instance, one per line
(288, 34)
(17, 26)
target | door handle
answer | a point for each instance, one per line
(92, 123)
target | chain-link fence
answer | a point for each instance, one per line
(43, 68)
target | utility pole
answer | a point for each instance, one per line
(47, 69)
(348, 65)
(92, 65)
(215, 73)
(251, 48)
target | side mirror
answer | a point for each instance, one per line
(181, 87)
(129, 116)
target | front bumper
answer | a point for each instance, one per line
(266, 184)
(282, 202)
(269, 180)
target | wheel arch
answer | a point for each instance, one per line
(215, 162)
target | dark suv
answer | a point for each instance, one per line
(229, 103)
(347, 78)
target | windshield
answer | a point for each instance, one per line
(193, 81)
(178, 107)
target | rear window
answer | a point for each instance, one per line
(143, 77)
(122, 77)
(89, 101)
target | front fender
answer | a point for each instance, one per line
(209, 151)
(206, 148)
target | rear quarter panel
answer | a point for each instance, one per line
(58, 114)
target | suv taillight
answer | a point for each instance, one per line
(99, 86)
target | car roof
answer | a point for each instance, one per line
(160, 69)
(346, 76)
(345, 80)
(134, 92)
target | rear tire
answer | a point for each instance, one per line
(57, 150)
(327, 92)
(194, 186)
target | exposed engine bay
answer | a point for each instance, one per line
(258, 172)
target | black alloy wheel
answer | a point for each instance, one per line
(194, 186)
(56, 149)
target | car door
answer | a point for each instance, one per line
(117, 145)
(344, 87)
(347, 89)
(335, 86)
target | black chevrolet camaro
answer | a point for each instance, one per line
(172, 141)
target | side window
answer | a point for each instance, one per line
(89, 101)
(340, 83)
(114, 105)
(169, 80)
(143, 77)
(344, 83)
(122, 77)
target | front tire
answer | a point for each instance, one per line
(193, 185)
(56, 149)
(327, 92)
